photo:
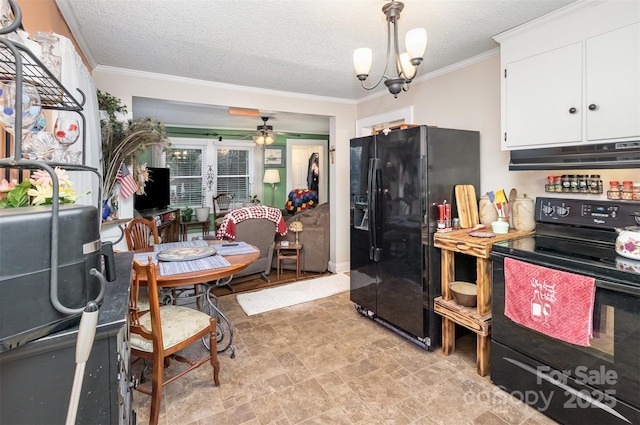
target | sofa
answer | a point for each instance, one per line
(314, 238)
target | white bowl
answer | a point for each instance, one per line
(500, 227)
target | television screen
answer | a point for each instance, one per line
(156, 191)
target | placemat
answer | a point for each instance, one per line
(235, 248)
(177, 267)
(170, 245)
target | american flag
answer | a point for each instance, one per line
(128, 185)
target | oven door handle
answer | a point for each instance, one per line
(627, 289)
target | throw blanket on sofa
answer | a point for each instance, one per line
(227, 229)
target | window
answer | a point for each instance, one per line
(185, 165)
(232, 164)
(233, 174)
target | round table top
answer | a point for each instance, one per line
(238, 263)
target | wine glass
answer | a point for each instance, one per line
(66, 131)
(31, 105)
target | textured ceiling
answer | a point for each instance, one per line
(300, 46)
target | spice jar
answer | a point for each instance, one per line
(614, 190)
(636, 191)
(595, 184)
(573, 183)
(550, 187)
(627, 190)
(582, 184)
(566, 183)
(557, 182)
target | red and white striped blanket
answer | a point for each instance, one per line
(227, 229)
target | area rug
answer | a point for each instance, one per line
(292, 294)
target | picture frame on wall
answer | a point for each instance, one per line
(274, 156)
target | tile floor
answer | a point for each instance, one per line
(323, 363)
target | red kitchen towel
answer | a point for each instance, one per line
(553, 302)
(227, 229)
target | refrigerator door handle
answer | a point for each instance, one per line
(371, 201)
(374, 199)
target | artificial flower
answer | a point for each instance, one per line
(6, 186)
(38, 190)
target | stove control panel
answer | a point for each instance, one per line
(587, 212)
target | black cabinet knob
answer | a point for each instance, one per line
(572, 110)
(593, 107)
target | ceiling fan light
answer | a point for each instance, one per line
(362, 59)
(416, 43)
(259, 139)
(269, 139)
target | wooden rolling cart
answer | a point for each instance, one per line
(476, 319)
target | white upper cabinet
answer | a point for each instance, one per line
(572, 77)
(613, 84)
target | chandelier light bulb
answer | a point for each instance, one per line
(403, 67)
(416, 43)
(362, 59)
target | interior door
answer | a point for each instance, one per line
(298, 153)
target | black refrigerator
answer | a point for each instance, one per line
(397, 179)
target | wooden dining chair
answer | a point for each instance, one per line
(140, 233)
(159, 333)
(221, 206)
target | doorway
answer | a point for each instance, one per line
(298, 152)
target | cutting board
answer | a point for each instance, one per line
(467, 205)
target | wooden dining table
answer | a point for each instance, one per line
(237, 263)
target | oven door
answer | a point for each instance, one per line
(601, 383)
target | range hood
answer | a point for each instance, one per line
(600, 156)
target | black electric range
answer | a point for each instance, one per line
(596, 384)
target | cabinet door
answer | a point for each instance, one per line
(540, 92)
(613, 84)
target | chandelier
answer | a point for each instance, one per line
(264, 134)
(405, 64)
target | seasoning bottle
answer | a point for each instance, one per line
(582, 184)
(566, 183)
(550, 187)
(595, 184)
(636, 191)
(627, 190)
(573, 183)
(614, 190)
(558, 183)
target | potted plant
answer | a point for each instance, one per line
(187, 214)
(122, 140)
(202, 212)
(253, 201)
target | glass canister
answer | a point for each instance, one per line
(524, 214)
(573, 183)
(487, 211)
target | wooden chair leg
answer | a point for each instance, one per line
(213, 350)
(156, 389)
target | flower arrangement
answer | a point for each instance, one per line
(38, 190)
(141, 176)
(122, 140)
